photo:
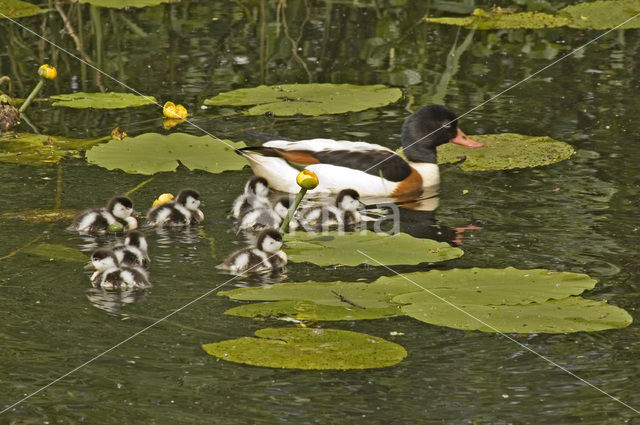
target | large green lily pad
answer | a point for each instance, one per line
(601, 15)
(506, 151)
(18, 9)
(307, 99)
(310, 311)
(121, 4)
(573, 314)
(488, 286)
(340, 248)
(56, 252)
(38, 149)
(305, 348)
(110, 100)
(151, 153)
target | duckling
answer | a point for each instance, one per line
(134, 251)
(263, 217)
(344, 213)
(97, 221)
(109, 275)
(184, 211)
(254, 196)
(266, 255)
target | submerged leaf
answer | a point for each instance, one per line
(305, 348)
(310, 311)
(308, 99)
(340, 248)
(111, 100)
(506, 151)
(121, 4)
(573, 314)
(41, 216)
(18, 9)
(151, 153)
(489, 21)
(38, 149)
(57, 252)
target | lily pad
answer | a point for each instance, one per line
(121, 4)
(307, 99)
(38, 149)
(573, 314)
(56, 252)
(489, 21)
(310, 311)
(506, 151)
(310, 349)
(110, 100)
(339, 248)
(41, 216)
(151, 153)
(601, 15)
(18, 9)
(488, 286)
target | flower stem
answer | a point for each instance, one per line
(33, 94)
(285, 223)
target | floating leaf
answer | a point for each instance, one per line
(57, 252)
(310, 311)
(573, 314)
(603, 15)
(41, 216)
(308, 99)
(38, 149)
(110, 100)
(121, 4)
(18, 9)
(151, 153)
(305, 348)
(493, 286)
(339, 248)
(489, 21)
(506, 151)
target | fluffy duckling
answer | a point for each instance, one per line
(184, 211)
(111, 276)
(266, 255)
(254, 196)
(344, 213)
(134, 251)
(264, 217)
(97, 221)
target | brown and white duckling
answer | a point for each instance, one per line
(264, 217)
(111, 276)
(134, 251)
(345, 212)
(183, 211)
(97, 221)
(266, 255)
(254, 196)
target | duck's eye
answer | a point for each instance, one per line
(446, 125)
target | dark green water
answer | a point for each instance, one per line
(579, 215)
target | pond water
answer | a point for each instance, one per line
(580, 215)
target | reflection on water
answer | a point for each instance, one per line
(186, 239)
(114, 301)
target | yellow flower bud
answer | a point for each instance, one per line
(307, 179)
(118, 134)
(47, 71)
(171, 110)
(163, 199)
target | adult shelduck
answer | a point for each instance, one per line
(371, 170)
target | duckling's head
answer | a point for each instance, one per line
(137, 239)
(103, 259)
(189, 198)
(282, 206)
(429, 127)
(120, 206)
(257, 186)
(269, 241)
(348, 200)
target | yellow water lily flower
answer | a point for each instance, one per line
(307, 179)
(47, 71)
(171, 110)
(163, 199)
(118, 134)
